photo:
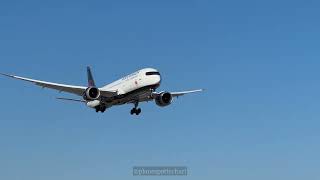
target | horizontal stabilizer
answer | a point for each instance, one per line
(74, 100)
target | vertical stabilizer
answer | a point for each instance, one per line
(91, 82)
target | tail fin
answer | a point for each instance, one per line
(91, 82)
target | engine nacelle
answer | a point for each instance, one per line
(92, 93)
(163, 99)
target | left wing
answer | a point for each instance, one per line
(77, 90)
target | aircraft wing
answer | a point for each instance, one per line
(177, 94)
(147, 97)
(77, 90)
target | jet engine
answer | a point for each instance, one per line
(92, 93)
(163, 99)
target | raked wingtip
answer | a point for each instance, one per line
(8, 75)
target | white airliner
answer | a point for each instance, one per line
(137, 87)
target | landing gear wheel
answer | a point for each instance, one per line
(103, 109)
(135, 111)
(138, 111)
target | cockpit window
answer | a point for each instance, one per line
(152, 73)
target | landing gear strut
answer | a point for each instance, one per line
(135, 110)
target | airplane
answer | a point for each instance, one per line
(137, 87)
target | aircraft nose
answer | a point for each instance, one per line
(157, 79)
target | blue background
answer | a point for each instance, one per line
(257, 60)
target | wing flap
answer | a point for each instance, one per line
(108, 93)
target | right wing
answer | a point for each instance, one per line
(154, 95)
(177, 94)
(77, 90)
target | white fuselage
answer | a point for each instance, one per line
(135, 81)
(134, 87)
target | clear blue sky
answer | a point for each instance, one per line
(257, 60)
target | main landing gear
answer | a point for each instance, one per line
(135, 110)
(100, 108)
